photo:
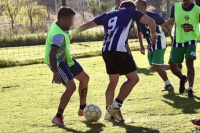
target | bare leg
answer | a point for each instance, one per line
(70, 88)
(126, 88)
(83, 78)
(110, 92)
(165, 67)
(190, 71)
(159, 69)
(176, 70)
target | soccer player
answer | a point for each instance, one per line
(64, 67)
(185, 16)
(156, 51)
(195, 121)
(118, 61)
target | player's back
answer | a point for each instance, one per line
(117, 25)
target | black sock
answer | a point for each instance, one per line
(106, 107)
(119, 101)
(82, 106)
(59, 115)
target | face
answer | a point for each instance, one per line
(186, 2)
(68, 22)
(140, 7)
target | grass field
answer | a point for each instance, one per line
(29, 101)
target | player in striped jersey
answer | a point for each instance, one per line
(185, 16)
(156, 51)
(118, 61)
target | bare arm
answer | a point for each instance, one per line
(152, 25)
(170, 21)
(168, 28)
(53, 59)
(53, 64)
(85, 26)
(142, 49)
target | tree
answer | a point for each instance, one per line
(157, 4)
(33, 10)
(64, 2)
(93, 7)
(11, 9)
(198, 2)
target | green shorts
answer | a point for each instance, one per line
(156, 57)
(177, 54)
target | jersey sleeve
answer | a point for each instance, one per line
(159, 20)
(99, 20)
(172, 12)
(57, 40)
(136, 16)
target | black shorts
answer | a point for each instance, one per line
(119, 62)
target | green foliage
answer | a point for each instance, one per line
(93, 6)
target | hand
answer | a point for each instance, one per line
(154, 37)
(170, 21)
(172, 40)
(56, 78)
(142, 50)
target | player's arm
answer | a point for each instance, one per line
(170, 21)
(152, 25)
(88, 25)
(129, 50)
(53, 64)
(166, 26)
(140, 37)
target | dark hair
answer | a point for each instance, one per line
(127, 4)
(144, 2)
(64, 12)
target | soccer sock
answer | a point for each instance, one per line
(190, 88)
(167, 82)
(82, 107)
(106, 107)
(60, 112)
(117, 103)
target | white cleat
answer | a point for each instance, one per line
(58, 121)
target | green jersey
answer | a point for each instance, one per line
(53, 31)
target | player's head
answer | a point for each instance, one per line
(66, 17)
(118, 2)
(186, 2)
(127, 4)
(141, 5)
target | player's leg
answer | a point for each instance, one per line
(113, 80)
(110, 92)
(83, 79)
(190, 57)
(69, 83)
(177, 57)
(157, 66)
(125, 65)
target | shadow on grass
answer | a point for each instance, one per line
(94, 127)
(188, 105)
(134, 129)
(145, 71)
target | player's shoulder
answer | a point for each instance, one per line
(152, 14)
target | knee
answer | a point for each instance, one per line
(71, 87)
(85, 78)
(154, 68)
(134, 80)
(173, 66)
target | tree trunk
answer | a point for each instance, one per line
(12, 23)
(198, 2)
(31, 21)
(64, 2)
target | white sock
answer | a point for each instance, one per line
(116, 105)
(190, 88)
(167, 82)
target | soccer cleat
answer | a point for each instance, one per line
(190, 93)
(182, 84)
(107, 116)
(168, 88)
(80, 112)
(195, 121)
(116, 113)
(58, 121)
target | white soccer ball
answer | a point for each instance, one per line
(92, 112)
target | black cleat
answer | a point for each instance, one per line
(182, 84)
(168, 88)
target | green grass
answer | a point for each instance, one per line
(29, 101)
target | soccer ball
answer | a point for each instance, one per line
(92, 113)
